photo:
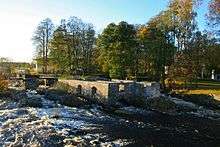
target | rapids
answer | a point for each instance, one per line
(57, 125)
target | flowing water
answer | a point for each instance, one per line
(58, 125)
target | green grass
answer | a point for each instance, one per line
(208, 87)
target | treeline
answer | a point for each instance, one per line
(67, 48)
(168, 46)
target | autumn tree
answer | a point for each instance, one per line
(168, 35)
(181, 19)
(41, 39)
(214, 16)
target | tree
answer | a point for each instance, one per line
(212, 56)
(4, 59)
(158, 51)
(181, 20)
(59, 45)
(72, 46)
(41, 39)
(214, 16)
(5, 66)
(168, 36)
(197, 61)
(117, 50)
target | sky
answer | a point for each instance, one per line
(19, 18)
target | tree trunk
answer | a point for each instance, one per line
(46, 51)
(43, 53)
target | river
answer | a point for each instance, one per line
(58, 125)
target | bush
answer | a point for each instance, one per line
(3, 83)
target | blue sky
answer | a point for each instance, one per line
(19, 18)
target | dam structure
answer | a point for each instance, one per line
(110, 91)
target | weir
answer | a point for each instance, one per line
(107, 91)
(32, 82)
(103, 91)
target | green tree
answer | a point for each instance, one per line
(157, 49)
(117, 50)
(72, 46)
(59, 50)
(197, 61)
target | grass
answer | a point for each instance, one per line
(208, 87)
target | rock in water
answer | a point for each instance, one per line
(32, 100)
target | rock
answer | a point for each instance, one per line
(33, 101)
(207, 113)
(72, 101)
(18, 95)
(184, 106)
(161, 104)
(207, 101)
(54, 140)
(65, 98)
(76, 141)
(133, 101)
(6, 94)
(31, 83)
(54, 95)
(41, 91)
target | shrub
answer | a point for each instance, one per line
(3, 83)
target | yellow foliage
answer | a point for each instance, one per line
(143, 31)
(3, 83)
(182, 8)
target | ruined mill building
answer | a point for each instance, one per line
(106, 91)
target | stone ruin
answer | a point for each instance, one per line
(32, 82)
(107, 91)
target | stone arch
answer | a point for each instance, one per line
(79, 89)
(94, 90)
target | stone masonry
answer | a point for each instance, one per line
(107, 91)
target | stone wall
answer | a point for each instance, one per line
(106, 91)
(90, 89)
(151, 89)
